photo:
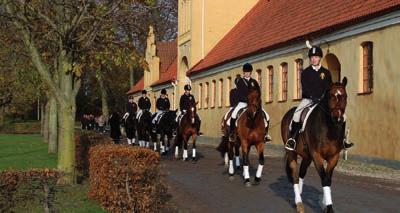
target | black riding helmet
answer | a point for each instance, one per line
(315, 51)
(163, 91)
(187, 87)
(144, 92)
(247, 67)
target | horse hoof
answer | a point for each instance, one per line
(184, 159)
(247, 182)
(257, 181)
(194, 160)
(231, 177)
(328, 209)
(299, 208)
(238, 168)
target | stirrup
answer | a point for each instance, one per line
(232, 137)
(288, 147)
(347, 145)
(267, 138)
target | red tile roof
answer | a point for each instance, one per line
(169, 75)
(167, 52)
(274, 23)
(137, 87)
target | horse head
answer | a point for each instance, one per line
(253, 102)
(337, 100)
(192, 111)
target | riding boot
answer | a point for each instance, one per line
(232, 129)
(198, 129)
(291, 142)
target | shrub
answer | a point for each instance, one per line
(126, 179)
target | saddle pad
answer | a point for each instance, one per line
(305, 114)
(228, 122)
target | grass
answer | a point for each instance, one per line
(20, 152)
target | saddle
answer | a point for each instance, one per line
(240, 112)
(305, 114)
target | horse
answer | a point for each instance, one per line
(144, 128)
(187, 127)
(251, 131)
(322, 140)
(225, 144)
(129, 121)
(165, 127)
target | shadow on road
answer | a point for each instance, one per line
(310, 196)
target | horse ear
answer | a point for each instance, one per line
(344, 81)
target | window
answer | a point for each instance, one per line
(206, 92)
(270, 88)
(200, 95)
(297, 76)
(213, 93)
(259, 77)
(367, 67)
(284, 82)
(220, 92)
(227, 91)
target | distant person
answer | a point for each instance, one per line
(115, 131)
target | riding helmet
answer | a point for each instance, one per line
(247, 67)
(188, 87)
(144, 91)
(315, 51)
(163, 91)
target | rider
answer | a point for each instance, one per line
(162, 106)
(243, 88)
(315, 81)
(131, 107)
(144, 104)
(184, 105)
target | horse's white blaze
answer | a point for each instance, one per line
(237, 161)
(297, 196)
(246, 174)
(226, 158)
(230, 166)
(193, 153)
(301, 181)
(259, 170)
(327, 196)
(185, 153)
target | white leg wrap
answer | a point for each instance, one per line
(193, 153)
(140, 143)
(259, 170)
(166, 148)
(231, 167)
(155, 146)
(226, 159)
(297, 197)
(246, 174)
(301, 181)
(129, 141)
(327, 196)
(185, 153)
(237, 161)
(147, 144)
(176, 151)
(133, 140)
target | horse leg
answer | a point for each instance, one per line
(237, 155)
(327, 182)
(260, 150)
(177, 145)
(185, 146)
(230, 158)
(291, 172)
(245, 153)
(305, 163)
(194, 159)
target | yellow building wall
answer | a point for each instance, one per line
(372, 118)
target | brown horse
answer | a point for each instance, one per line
(251, 131)
(187, 128)
(322, 140)
(225, 145)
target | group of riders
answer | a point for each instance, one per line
(315, 81)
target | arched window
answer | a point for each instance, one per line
(297, 76)
(259, 77)
(284, 82)
(367, 67)
(200, 95)
(227, 91)
(206, 94)
(213, 93)
(270, 87)
(220, 92)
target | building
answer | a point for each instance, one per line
(359, 39)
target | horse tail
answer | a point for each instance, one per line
(287, 169)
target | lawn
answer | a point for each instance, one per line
(20, 152)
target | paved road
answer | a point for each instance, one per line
(204, 187)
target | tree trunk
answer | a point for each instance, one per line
(104, 98)
(132, 77)
(53, 126)
(46, 122)
(42, 119)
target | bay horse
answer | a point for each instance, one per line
(165, 128)
(144, 128)
(187, 127)
(251, 131)
(129, 121)
(225, 145)
(322, 140)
